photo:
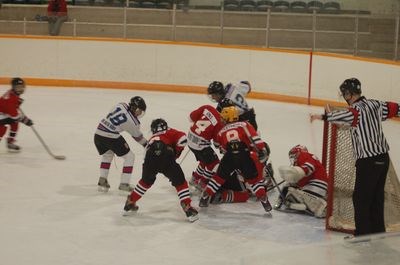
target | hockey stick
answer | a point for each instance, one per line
(58, 157)
(258, 150)
(275, 185)
(184, 156)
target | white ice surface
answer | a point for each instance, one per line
(52, 214)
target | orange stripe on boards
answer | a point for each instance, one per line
(160, 88)
(167, 88)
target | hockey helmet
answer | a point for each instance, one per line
(18, 85)
(295, 152)
(352, 86)
(137, 106)
(216, 91)
(230, 114)
(158, 125)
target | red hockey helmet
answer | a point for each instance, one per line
(295, 151)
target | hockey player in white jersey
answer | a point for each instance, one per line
(233, 95)
(109, 141)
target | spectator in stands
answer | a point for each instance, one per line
(57, 13)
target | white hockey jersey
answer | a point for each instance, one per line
(118, 120)
(237, 93)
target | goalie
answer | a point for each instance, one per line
(306, 188)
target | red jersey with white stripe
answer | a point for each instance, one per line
(238, 131)
(206, 124)
(9, 104)
(316, 178)
(172, 137)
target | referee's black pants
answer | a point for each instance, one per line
(368, 195)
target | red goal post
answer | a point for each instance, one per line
(339, 161)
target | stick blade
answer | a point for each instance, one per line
(60, 157)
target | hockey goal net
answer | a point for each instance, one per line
(338, 159)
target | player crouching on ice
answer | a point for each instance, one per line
(10, 115)
(306, 188)
(165, 146)
(237, 140)
(235, 189)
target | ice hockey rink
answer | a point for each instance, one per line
(51, 212)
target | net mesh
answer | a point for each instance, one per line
(340, 164)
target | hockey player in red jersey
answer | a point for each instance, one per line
(9, 113)
(307, 183)
(165, 146)
(206, 123)
(237, 140)
(109, 141)
(235, 188)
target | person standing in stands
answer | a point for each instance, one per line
(57, 14)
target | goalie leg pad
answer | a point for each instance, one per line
(314, 204)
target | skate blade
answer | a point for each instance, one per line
(193, 218)
(12, 151)
(123, 192)
(129, 213)
(102, 189)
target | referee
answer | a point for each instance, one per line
(370, 148)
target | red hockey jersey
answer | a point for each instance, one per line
(313, 169)
(238, 131)
(9, 104)
(206, 124)
(172, 137)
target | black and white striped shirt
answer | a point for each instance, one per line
(365, 117)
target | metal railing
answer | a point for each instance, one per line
(314, 31)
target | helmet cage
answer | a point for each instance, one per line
(158, 125)
(230, 114)
(295, 152)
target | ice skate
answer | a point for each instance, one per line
(13, 148)
(216, 198)
(125, 187)
(204, 200)
(103, 185)
(278, 204)
(191, 213)
(130, 207)
(266, 204)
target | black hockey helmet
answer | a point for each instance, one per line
(18, 85)
(158, 125)
(137, 106)
(137, 103)
(216, 87)
(352, 86)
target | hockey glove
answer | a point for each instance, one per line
(262, 155)
(269, 171)
(26, 121)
